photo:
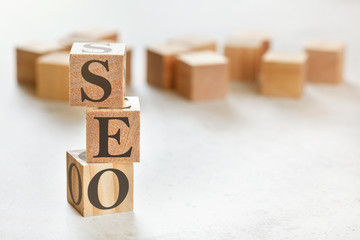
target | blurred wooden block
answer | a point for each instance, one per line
(128, 64)
(262, 36)
(195, 42)
(326, 62)
(26, 56)
(161, 64)
(244, 58)
(283, 75)
(97, 74)
(98, 188)
(52, 76)
(113, 135)
(202, 75)
(90, 35)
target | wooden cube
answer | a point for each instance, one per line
(26, 56)
(195, 42)
(90, 35)
(202, 75)
(244, 58)
(52, 76)
(283, 74)
(98, 188)
(97, 75)
(326, 62)
(262, 36)
(161, 64)
(128, 64)
(113, 134)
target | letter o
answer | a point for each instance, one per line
(70, 184)
(93, 193)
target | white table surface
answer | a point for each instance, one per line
(247, 167)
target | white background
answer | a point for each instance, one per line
(247, 167)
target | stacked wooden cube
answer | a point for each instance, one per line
(100, 179)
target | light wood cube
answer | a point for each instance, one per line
(161, 64)
(52, 76)
(283, 74)
(97, 74)
(244, 58)
(326, 62)
(98, 188)
(202, 75)
(113, 134)
(262, 36)
(26, 56)
(195, 42)
(90, 35)
(128, 64)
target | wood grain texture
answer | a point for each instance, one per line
(52, 76)
(129, 135)
(111, 189)
(244, 54)
(195, 42)
(26, 56)
(326, 61)
(160, 70)
(202, 75)
(244, 58)
(283, 75)
(115, 74)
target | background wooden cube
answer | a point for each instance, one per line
(283, 75)
(202, 75)
(195, 42)
(113, 72)
(90, 35)
(326, 62)
(262, 36)
(98, 188)
(26, 56)
(123, 123)
(161, 64)
(52, 76)
(244, 58)
(128, 64)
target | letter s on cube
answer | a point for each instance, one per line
(97, 73)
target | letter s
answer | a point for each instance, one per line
(95, 79)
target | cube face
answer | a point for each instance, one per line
(161, 64)
(325, 66)
(283, 76)
(244, 62)
(159, 70)
(113, 135)
(209, 82)
(128, 65)
(26, 66)
(97, 75)
(96, 189)
(26, 57)
(202, 75)
(52, 76)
